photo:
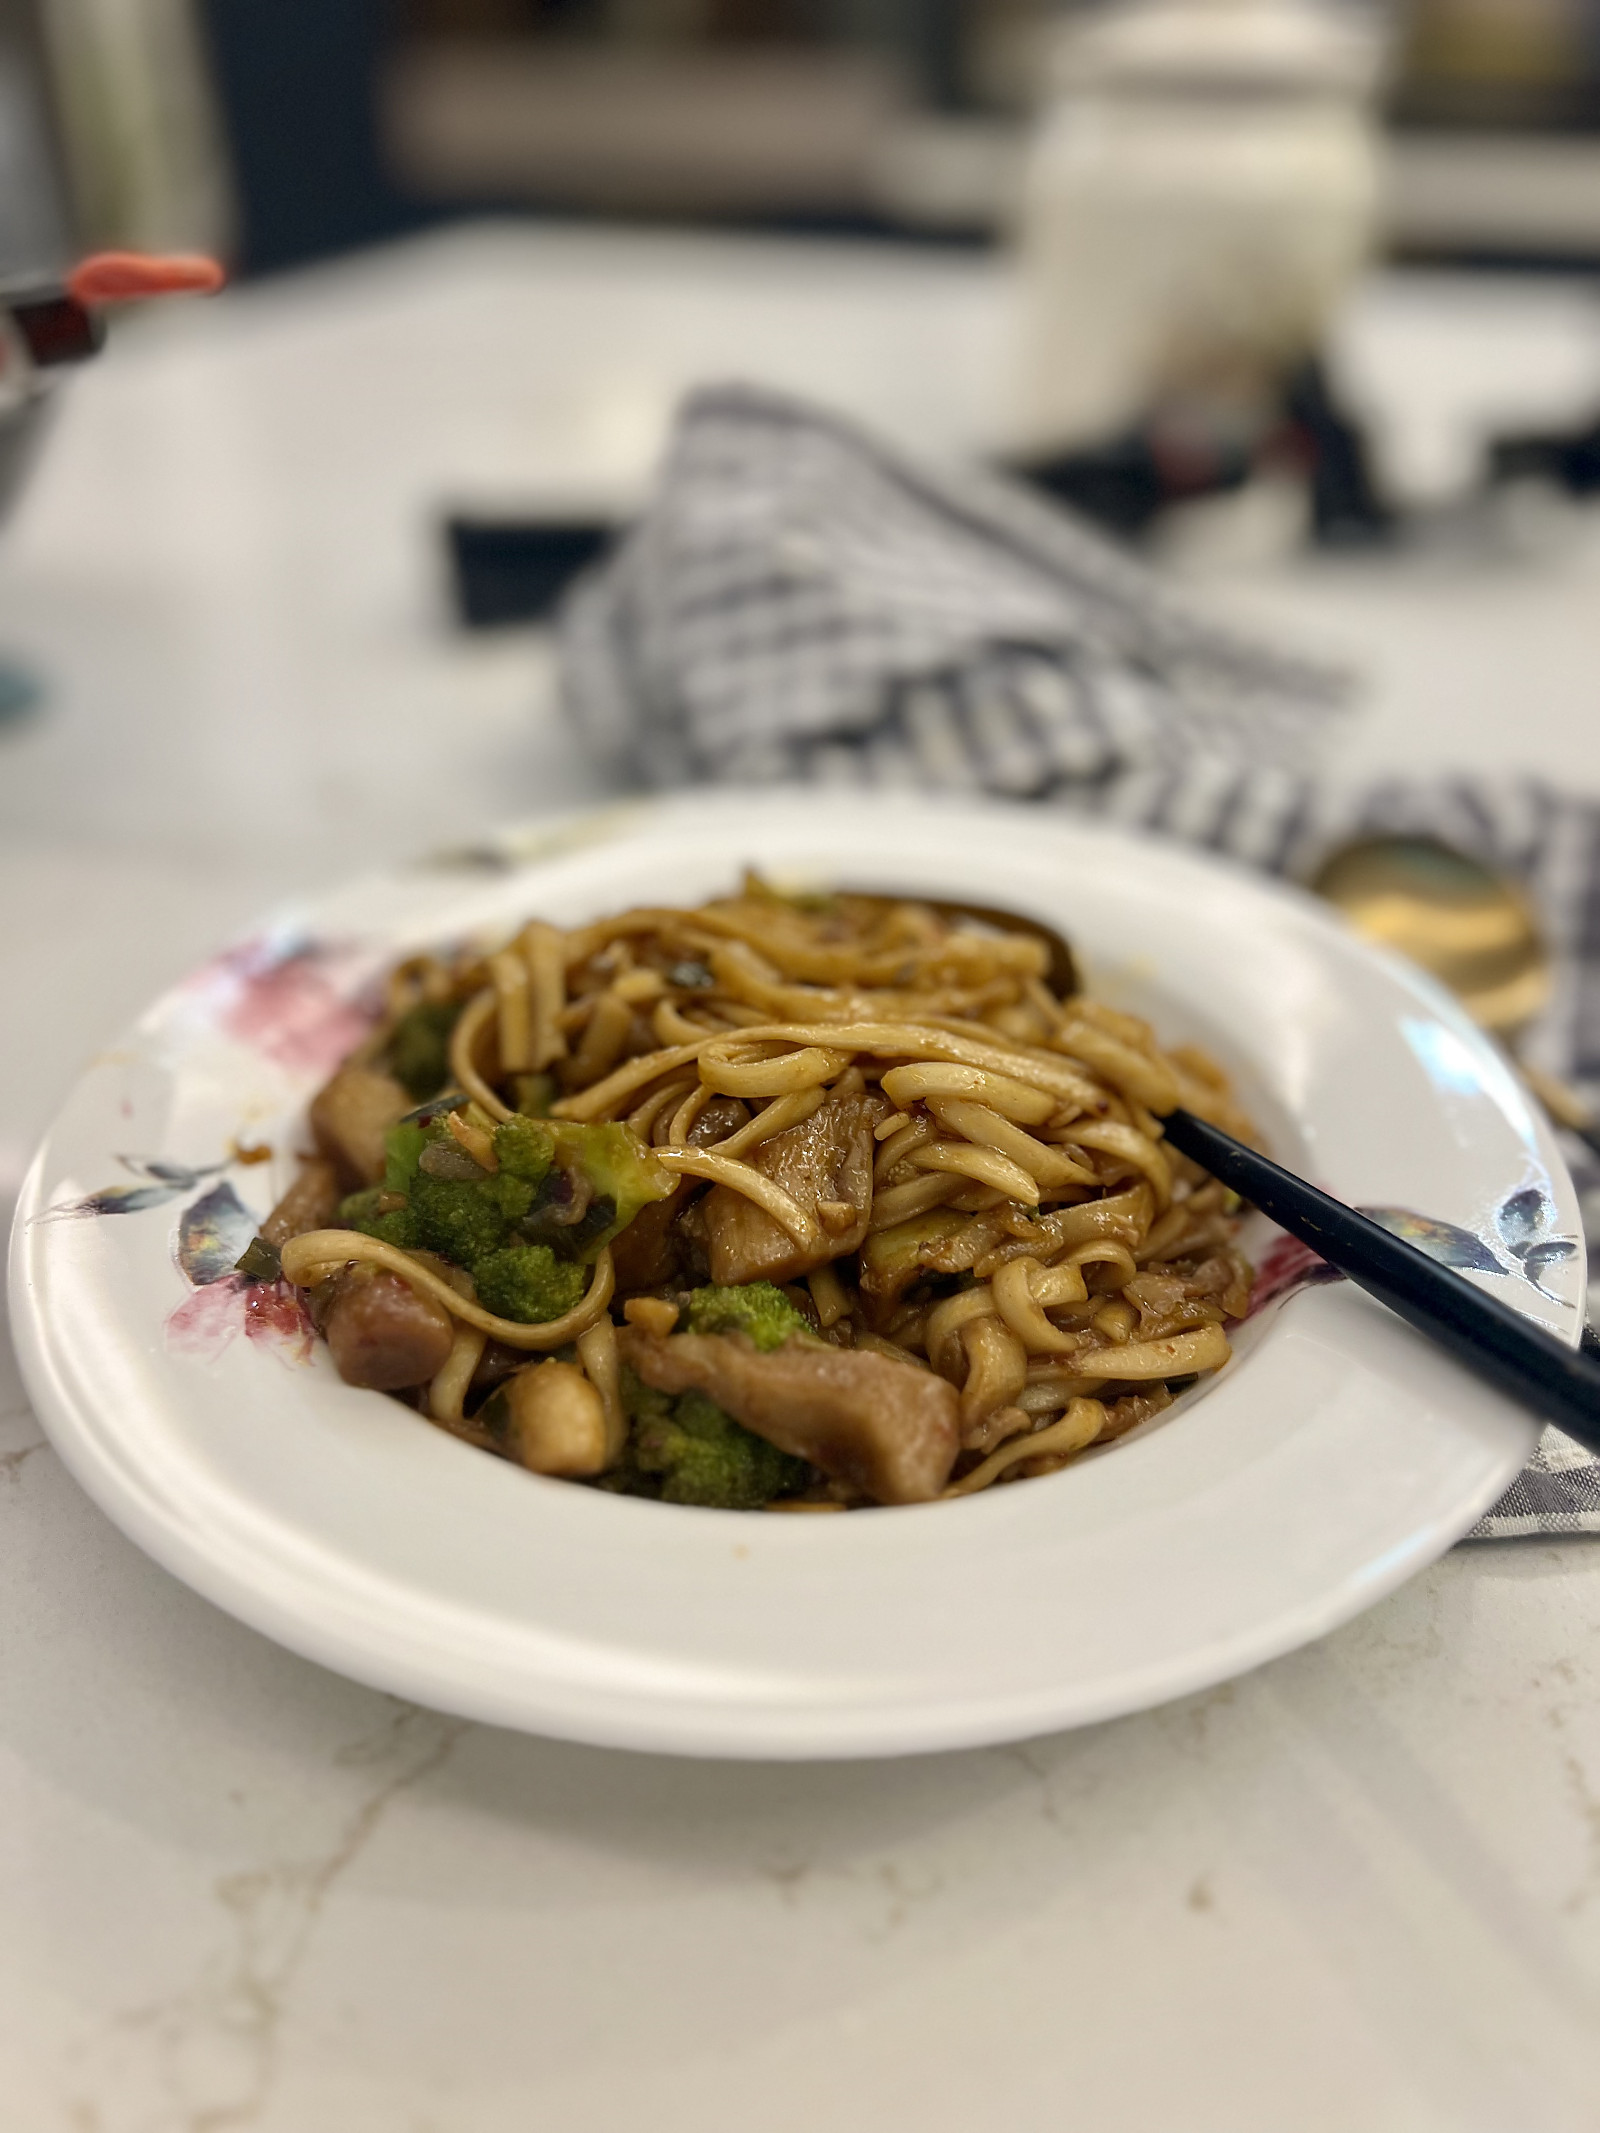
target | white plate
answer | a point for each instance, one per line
(1336, 1455)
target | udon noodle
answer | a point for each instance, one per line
(801, 1203)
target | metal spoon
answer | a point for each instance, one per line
(1467, 926)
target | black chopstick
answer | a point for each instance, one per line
(1560, 1384)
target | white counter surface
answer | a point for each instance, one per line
(1357, 1892)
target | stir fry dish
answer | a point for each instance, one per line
(795, 1203)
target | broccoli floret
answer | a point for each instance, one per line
(641, 1402)
(465, 1218)
(461, 1218)
(704, 1457)
(524, 1148)
(528, 1282)
(398, 1227)
(513, 1196)
(755, 1308)
(419, 1048)
(457, 1218)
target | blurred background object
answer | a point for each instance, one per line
(1180, 196)
(108, 138)
(1200, 191)
(132, 96)
(1497, 116)
(836, 111)
(1501, 62)
(37, 240)
(104, 136)
(36, 222)
(311, 126)
(299, 82)
(912, 114)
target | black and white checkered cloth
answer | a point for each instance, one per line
(800, 604)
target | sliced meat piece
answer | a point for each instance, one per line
(350, 1116)
(826, 1158)
(311, 1203)
(891, 1428)
(382, 1333)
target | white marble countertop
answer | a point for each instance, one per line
(1358, 1889)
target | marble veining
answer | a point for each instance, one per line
(211, 2051)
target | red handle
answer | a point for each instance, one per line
(120, 277)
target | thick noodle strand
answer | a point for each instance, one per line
(1078, 1428)
(716, 1169)
(320, 1252)
(474, 1019)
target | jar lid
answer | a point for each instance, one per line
(1202, 45)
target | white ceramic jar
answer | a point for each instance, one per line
(1200, 188)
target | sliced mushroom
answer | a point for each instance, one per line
(551, 1419)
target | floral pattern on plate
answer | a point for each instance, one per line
(304, 1003)
(212, 1233)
